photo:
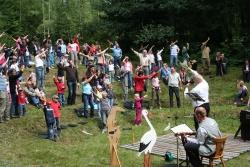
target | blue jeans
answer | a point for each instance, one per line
(104, 116)
(117, 61)
(40, 77)
(34, 100)
(71, 92)
(111, 102)
(128, 79)
(173, 60)
(21, 109)
(61, 99)
(87, 100)
(51, 59)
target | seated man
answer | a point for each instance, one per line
(203, 143)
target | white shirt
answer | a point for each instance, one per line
(38, 61)
(151, 58)
(202, 89)
(111, 67)
(15, 67)
(174, 80)
(174, 50)
(144, 60)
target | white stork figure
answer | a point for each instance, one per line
(147, 141)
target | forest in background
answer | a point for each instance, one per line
(134, 22)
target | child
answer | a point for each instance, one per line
(105, 109)
(56, 106)
(50, 121)
(22, 101)
(156, 90)
(98, 97)
(60, 89)
(111, 69)
(138, 108)
(110, 93)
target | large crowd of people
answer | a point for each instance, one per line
(103, 68)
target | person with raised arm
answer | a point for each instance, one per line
(205, 50)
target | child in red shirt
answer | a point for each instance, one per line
(60, 89)
(22, 101)
(56, 106)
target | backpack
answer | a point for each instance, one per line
(128, 105)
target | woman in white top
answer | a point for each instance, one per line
(39, 64)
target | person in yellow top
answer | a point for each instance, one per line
(205, 50)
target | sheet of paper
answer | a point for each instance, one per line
(183, 128)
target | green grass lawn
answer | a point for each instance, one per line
(22, 141)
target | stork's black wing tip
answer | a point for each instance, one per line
(143, 146)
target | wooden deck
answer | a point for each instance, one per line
(233, 147)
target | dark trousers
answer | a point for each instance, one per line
(192, 151)
(156, 92)
(207, 108)
(72, 92)
(172, 91)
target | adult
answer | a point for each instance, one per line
(144, 62)
(174, 51)
(174, 82)
(117, 54)
(31, 94)
(165, 72)
(201, 88)
(184, 52)
(72, 82)
(151, 57)
(139, 81)
(205, 50)
(159, 58)
(87, 96)
(39, 64)
(101, 60)
(74, 52)
(203, 144)
(13, 82)
(128, 72)
(3, 98)
(246, 71)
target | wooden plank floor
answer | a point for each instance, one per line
(233, 147)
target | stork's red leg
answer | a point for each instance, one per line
(149, 158)
(145, 159)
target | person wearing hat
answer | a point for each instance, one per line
(56, 106)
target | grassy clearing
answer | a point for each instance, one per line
(22, 142)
